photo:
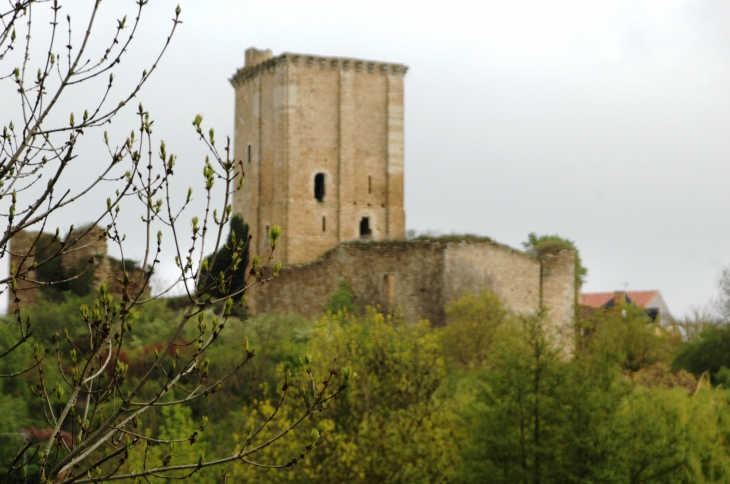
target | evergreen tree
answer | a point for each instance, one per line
(227, 267)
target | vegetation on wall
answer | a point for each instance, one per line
(342, 300)
(546, 244)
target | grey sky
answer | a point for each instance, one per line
(603, 122)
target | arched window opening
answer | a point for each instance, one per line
(365, 231)
(319, 187)
(370, 184)
(324, 223)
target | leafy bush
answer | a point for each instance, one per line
(710, 352)
(390, 426)
(342, 300)
(472, 323)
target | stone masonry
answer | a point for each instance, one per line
(82, 254)
(321, 140)
(22, 258)
(305, 123)
(422, 277)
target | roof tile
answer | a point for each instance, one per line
(598, 299)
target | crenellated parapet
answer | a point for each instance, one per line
(258, 61)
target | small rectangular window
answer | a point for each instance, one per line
(370, 184)
(266, 237)
(324, 223)
(248, 153)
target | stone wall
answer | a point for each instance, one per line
(558, 288)
(513, 275)
(22, 257)
(417, 268)
(421, 278)
(86, 251)
(298, 116)
(83, 256)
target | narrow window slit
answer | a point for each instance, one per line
(319, 187)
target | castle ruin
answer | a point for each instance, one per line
(322, 143)
(321, 139)
(78, 263)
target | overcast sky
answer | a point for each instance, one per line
(603, 122)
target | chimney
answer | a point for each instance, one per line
(255, 56)
(619, 297)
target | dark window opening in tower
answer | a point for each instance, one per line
(324, 223)
(370, 184)
(248, 153)
(319, 187)
(365, 231)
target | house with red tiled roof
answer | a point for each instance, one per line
(651, 302)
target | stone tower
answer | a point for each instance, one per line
(321, 139)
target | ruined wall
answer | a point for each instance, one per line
(83, 253)
(393, 275)
(558, 289)
(22, 258)
(86, 251)
(513, 275)
(421, 278)
(300, 115)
